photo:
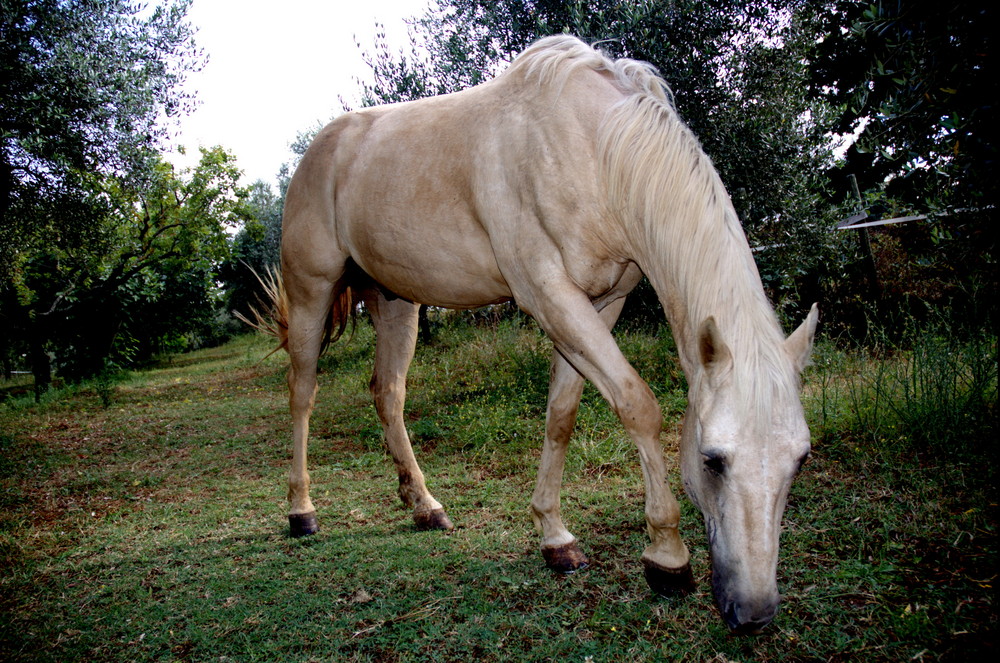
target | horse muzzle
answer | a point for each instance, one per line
(747, 619)
(744, 615)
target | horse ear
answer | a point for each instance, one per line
(713, 352)
(799, 344)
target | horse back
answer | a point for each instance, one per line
(437, 199)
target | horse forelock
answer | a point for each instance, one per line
(764, 383)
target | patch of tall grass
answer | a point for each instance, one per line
(930, 394)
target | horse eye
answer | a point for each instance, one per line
(715, 464)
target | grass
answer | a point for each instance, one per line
(933, 393)
(154, 528)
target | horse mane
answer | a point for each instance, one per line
(686, 234)
(549, 61)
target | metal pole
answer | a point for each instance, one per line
(867, 258)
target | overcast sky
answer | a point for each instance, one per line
(277, 68)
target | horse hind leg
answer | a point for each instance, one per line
(309, 300)
(396, 323)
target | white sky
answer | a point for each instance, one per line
(276, 69)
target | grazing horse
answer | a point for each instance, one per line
(557, 185)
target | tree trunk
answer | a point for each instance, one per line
(41, 367)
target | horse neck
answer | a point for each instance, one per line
(682, 230)
(700, 265)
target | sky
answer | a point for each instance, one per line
(273, 73)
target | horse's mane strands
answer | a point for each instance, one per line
(669, 196)
(551, 60)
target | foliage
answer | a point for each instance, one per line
(917, 81)
(144, 280)
(917, 84)
(255, 248)
(155, 529)
(85, 84)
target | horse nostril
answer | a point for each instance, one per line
(730, 616)
(742, 625)
(752, 627)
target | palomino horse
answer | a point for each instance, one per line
(557, 185)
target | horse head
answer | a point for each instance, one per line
(738, 464)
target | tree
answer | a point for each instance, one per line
(916, 80)
(255, 249)
(83, 86)
(917, 83)
(144, 281)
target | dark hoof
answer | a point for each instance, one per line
(428, 520)
(566, 558)
(669, 582)
(303, 524)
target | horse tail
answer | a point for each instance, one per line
(343, 310)
(271, 316)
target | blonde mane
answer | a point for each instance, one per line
(686, 235)
(551, 60)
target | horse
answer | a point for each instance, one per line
(557, 185)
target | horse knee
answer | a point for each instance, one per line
(639, 412)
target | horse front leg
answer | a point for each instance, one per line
(577, 331)
(396, 324)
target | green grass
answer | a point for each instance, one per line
(155, 528)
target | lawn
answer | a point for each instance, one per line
(155, 528)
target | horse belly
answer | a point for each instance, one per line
(445, 260)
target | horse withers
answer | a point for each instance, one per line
(557, 185)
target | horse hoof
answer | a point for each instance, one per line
(669, 582)
(566, 558)
(434, 519)
(303, 524)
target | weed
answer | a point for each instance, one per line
(932, 393)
